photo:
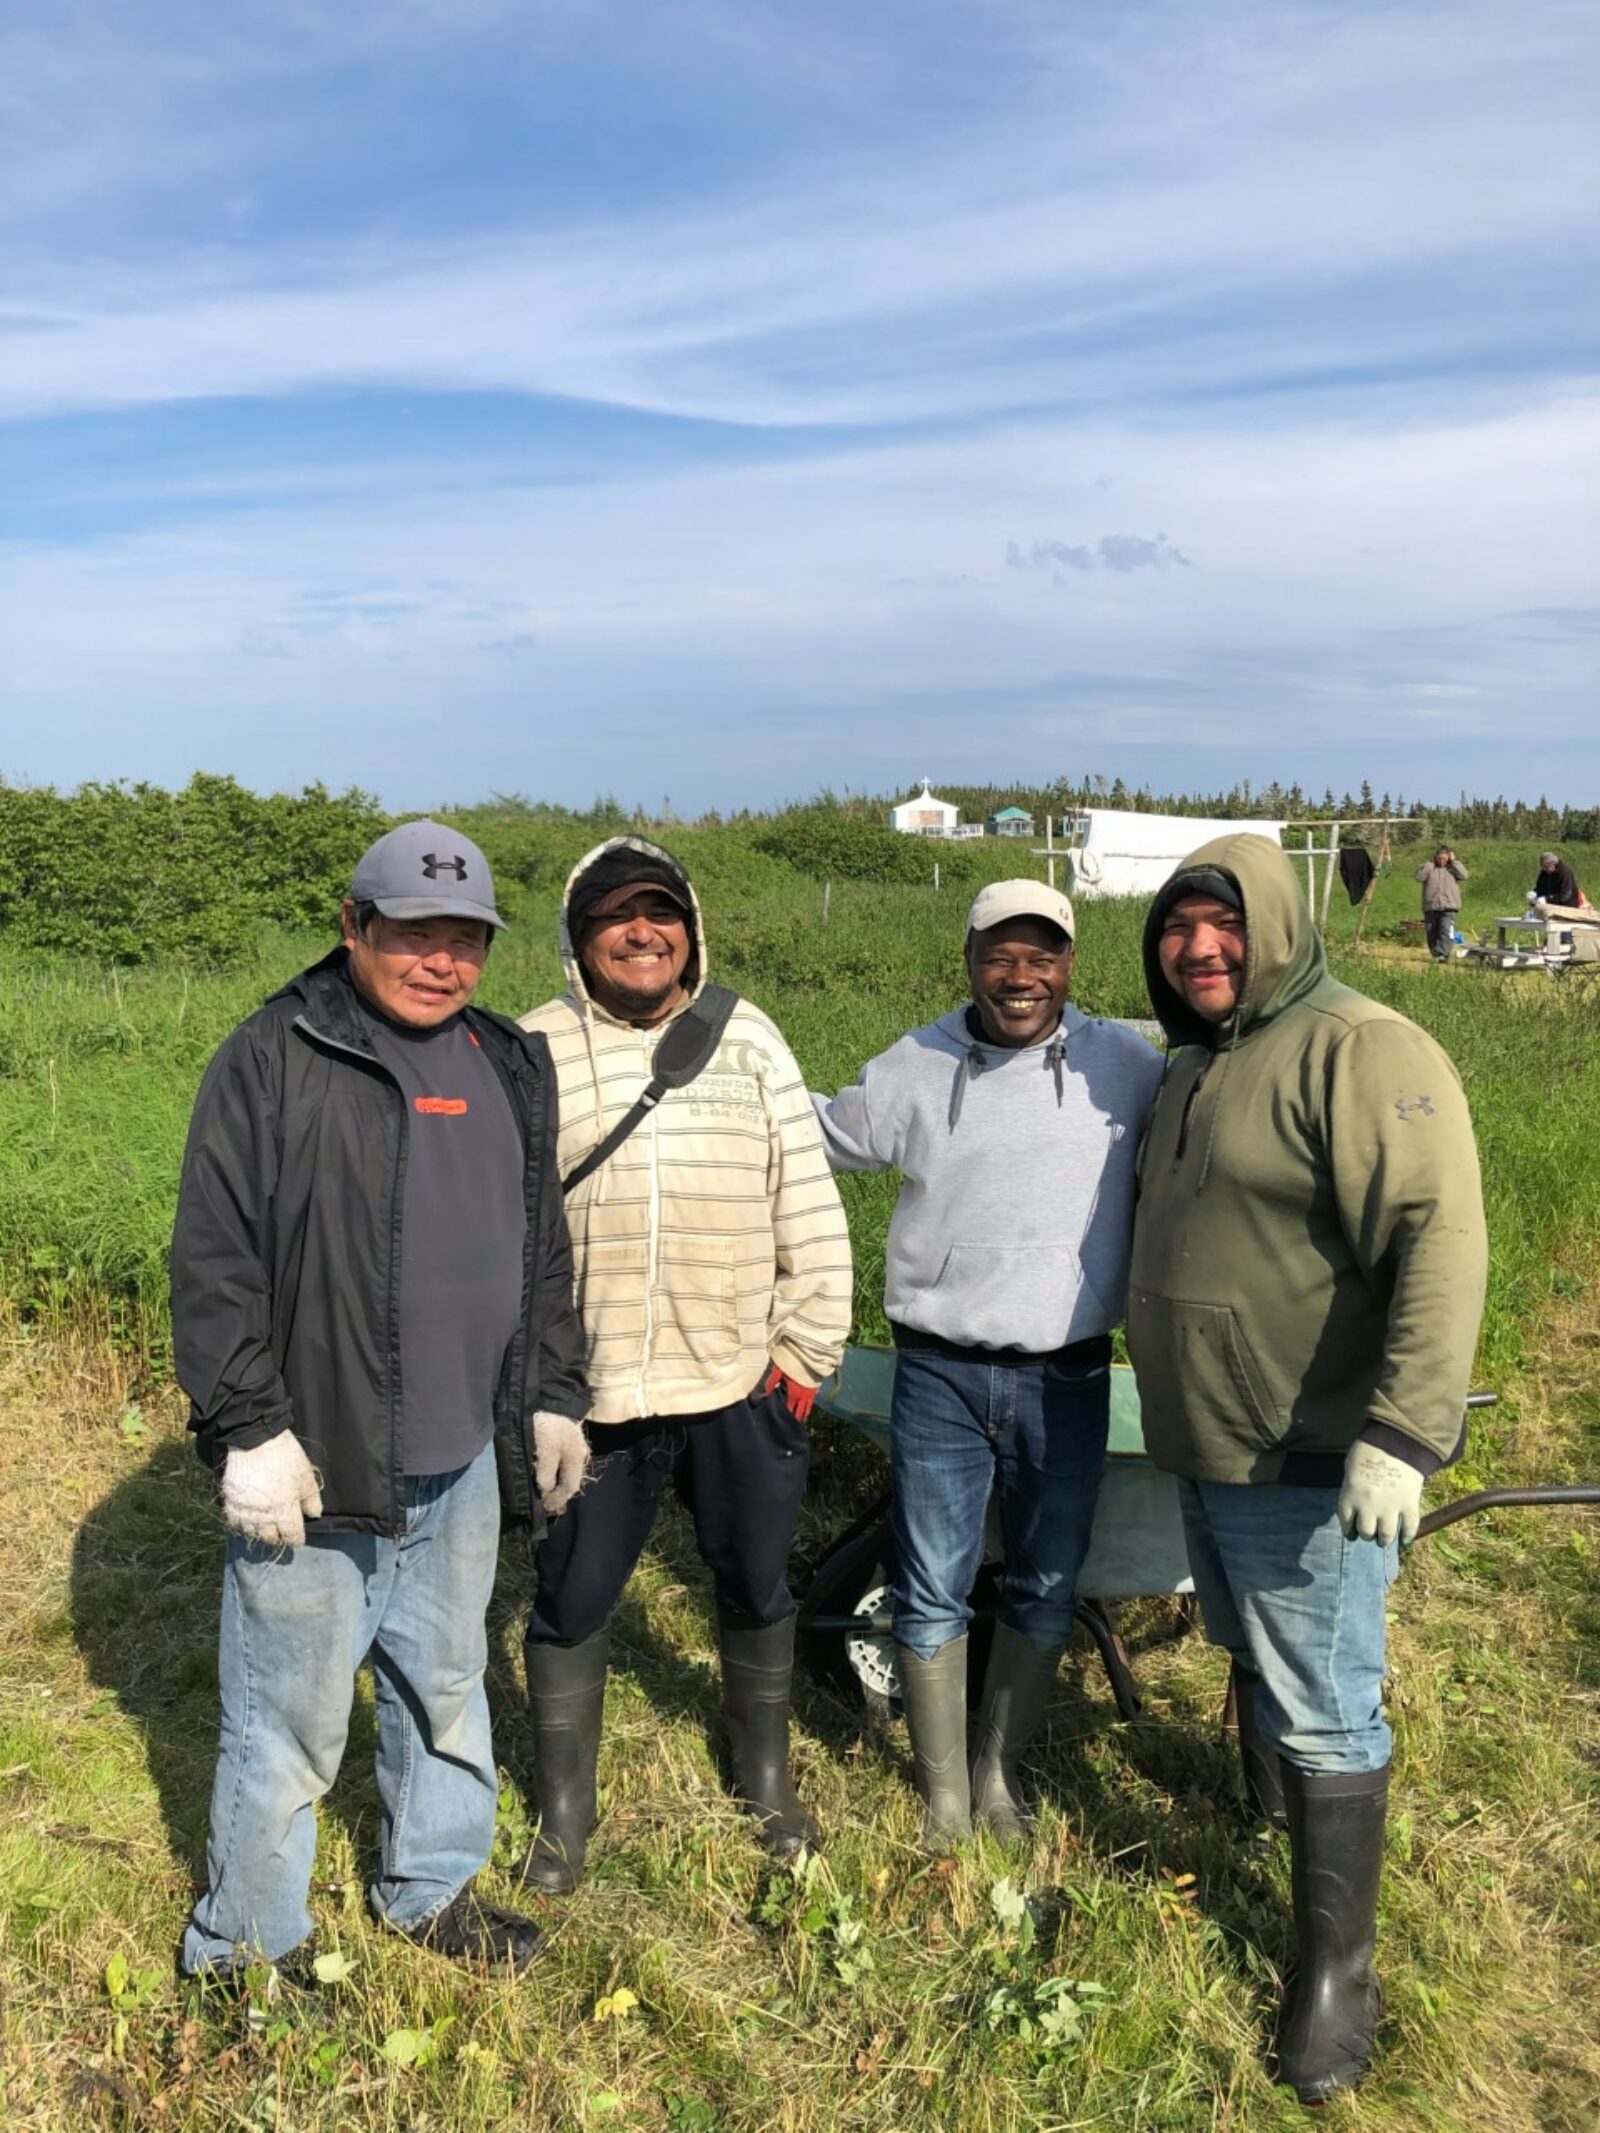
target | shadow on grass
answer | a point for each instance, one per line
(146, 1587)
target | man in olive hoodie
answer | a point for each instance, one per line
(1308, 1273)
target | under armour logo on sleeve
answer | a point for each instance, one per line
(1406, 1105)
(433, 866)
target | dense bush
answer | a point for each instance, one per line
(829, 846)
(126, 873)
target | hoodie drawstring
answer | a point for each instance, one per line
(974, 1061)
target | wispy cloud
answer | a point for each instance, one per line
(1113, 551)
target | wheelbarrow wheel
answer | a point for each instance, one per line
(850, 1586)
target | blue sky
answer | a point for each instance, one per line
(726, 399)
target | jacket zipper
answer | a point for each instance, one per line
(653, 1246)
(397, 1486)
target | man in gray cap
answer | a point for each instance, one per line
(373, 1319)
(1014, 1121)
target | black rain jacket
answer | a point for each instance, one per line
(286, 1260)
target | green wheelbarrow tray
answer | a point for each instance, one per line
(1136, 1547)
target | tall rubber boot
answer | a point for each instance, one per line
(1330, 2022)
(1015, 1690)
(567, 1699)
(757, 1668)
(934, 1694)
(1263, 1779)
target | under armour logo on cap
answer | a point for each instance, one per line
(425, 870)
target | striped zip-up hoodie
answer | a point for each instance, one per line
(713, 1242)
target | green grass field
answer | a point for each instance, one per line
(684, 1987)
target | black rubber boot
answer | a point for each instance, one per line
(567, 1699)
(934, 1694)
(757, 1667)
(1015, 1691)
(1330, 2020)
(1263, 1779)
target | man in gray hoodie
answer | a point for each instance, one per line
(1014, 1121)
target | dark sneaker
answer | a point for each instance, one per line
(481, 1935)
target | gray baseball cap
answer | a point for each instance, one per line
(423, 870)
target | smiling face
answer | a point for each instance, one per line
(635, 949)
(1021, 972)
(415, 971)
(1203, 945)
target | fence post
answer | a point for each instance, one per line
(936, 873)
(827, 898)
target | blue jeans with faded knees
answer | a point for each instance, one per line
(296, 1624)
(1033, 1434)
(1302, 1609)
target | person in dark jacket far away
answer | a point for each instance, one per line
(1441, 878)
(1013, 1122)
(1556, 883)
(1308, 1274)
(373, 1319)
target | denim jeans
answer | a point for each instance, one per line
(1440, 928)
(1035, 1435)
(296, 1624)
(1301, 1608)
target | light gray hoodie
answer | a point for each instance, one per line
(1012, 1227)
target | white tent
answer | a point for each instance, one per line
(1117, 853)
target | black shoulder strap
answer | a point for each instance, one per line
(686, 1050)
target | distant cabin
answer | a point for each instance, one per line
(1011, 822)
(925, 816)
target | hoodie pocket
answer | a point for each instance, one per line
(695, 1304)
(1010, 1296)
(1194, 1361)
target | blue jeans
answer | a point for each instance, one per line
(1302, 1609)
(296, 1624)
(1033, 1433)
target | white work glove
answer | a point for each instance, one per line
(1382, 1496)
(270, 1491)
(560, 1460)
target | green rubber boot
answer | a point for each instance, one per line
(1015, 1690)
(934, 1693)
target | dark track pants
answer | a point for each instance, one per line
(740, 1473)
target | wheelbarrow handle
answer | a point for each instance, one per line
(1496, 1499)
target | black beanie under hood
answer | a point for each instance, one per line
(1197, 881)
(614, 870)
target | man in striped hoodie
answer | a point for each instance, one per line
(712, 1268)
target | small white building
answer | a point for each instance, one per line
(925, 816)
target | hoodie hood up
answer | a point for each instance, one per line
(1284, 956)
(659, 862)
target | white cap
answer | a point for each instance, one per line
(1019, 899)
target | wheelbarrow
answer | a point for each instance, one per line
(1136, 1547)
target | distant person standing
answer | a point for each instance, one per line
(1556, 883)
(1441, 878)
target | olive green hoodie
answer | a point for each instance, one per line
(1308, 1249)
